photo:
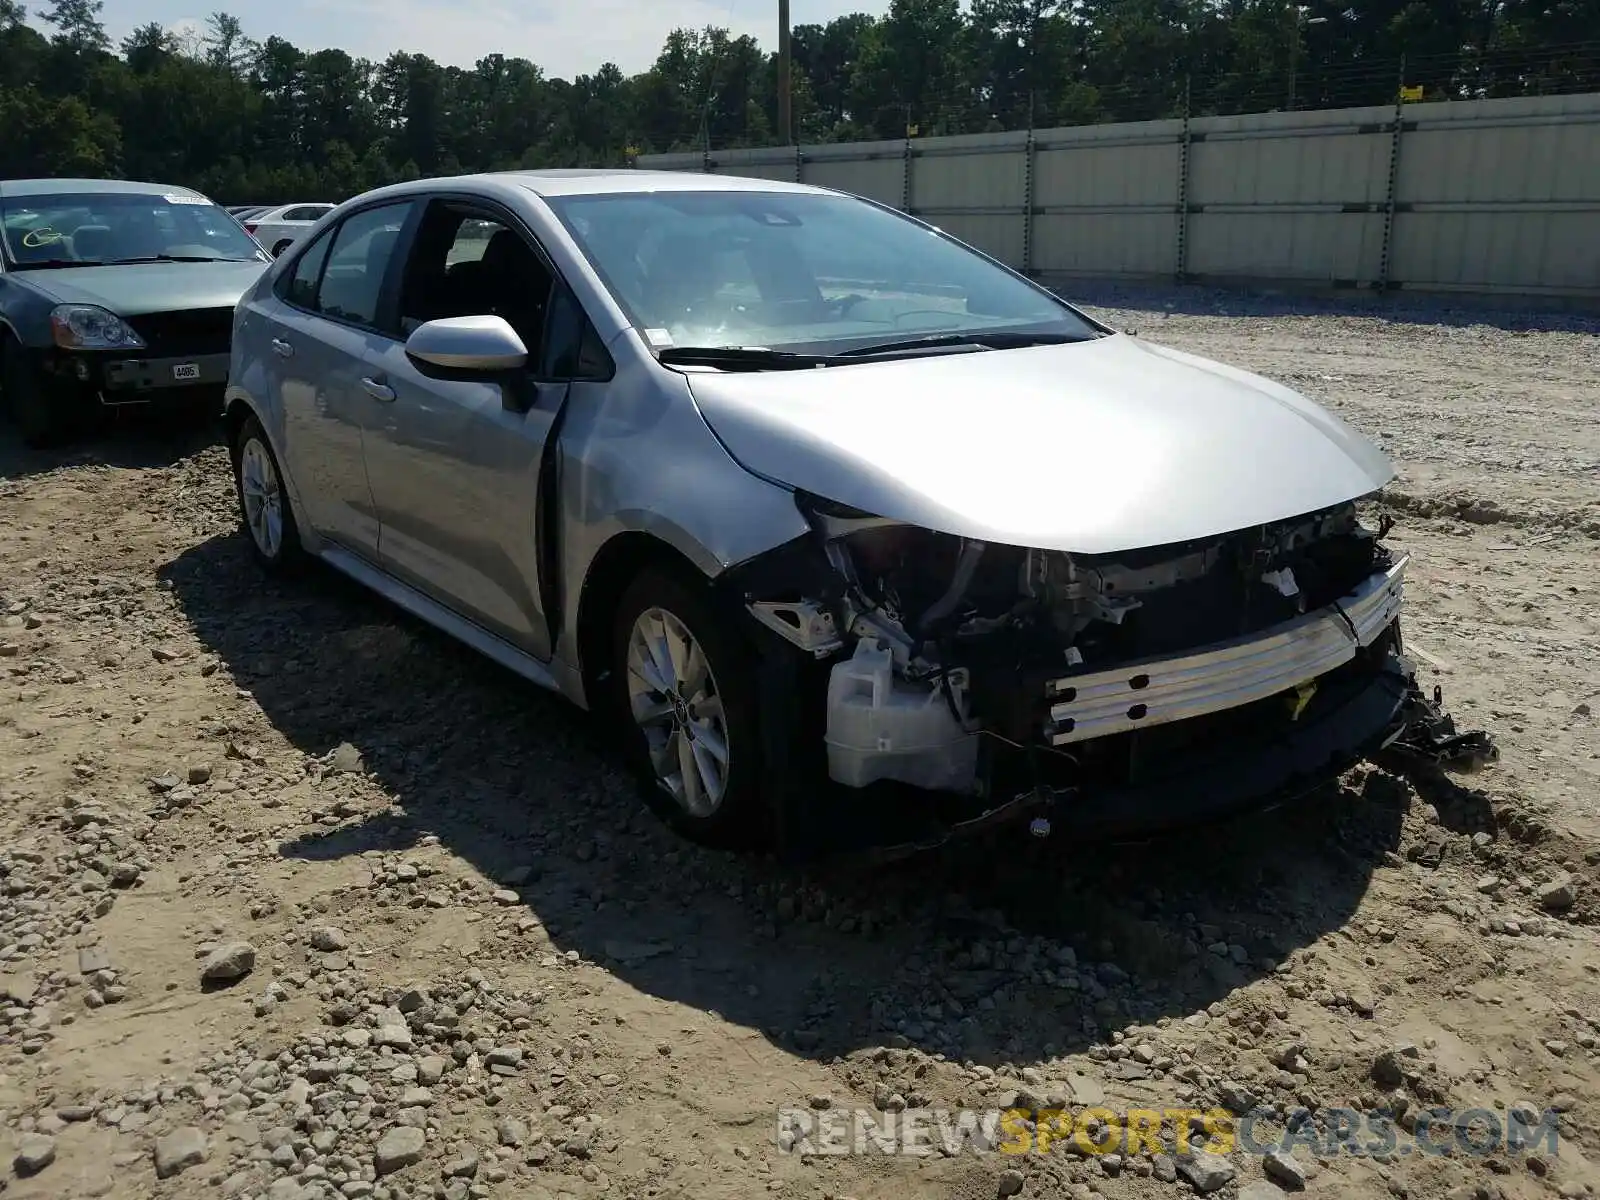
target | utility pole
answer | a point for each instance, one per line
(1300, 19)
(785, 95)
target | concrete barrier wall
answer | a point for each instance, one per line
(1481, 195)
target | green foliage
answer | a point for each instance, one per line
(266, 122)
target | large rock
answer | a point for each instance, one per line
(1206, 1172)
(345, 759)
(508, 1057)
(511, 1131)
(463, 1166)
(35, 1152)
(1386, 1070)
(397, 1036)
(1560, 894)
(430, 1069)
(179, 1150)
(228, 964)
(329, 939)
(1284, 1169)
(398, 1148)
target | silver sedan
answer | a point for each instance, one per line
(806, 496)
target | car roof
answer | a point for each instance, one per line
(588, 183)
(17, 189)
(580, 182)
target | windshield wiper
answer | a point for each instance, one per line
(977, 340)
(742, 358)
(150, 258)
(50, 264)
(762, 358)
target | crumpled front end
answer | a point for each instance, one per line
(1110, 694)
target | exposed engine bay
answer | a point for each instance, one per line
(986, 669)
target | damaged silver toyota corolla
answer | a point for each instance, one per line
(817, 501)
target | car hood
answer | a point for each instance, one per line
(136, 289)
(1090, 447)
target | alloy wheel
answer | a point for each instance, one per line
(673, 698)
(262, 497)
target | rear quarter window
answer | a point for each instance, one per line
(299, 285)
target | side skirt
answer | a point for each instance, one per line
(546, 675)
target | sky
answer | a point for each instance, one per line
(565, 37)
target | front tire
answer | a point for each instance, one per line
(685, 691)
(265, 513)
(45, 413)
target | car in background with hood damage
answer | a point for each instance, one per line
(114, 294)
(805, 496)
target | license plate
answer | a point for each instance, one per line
(186, 371)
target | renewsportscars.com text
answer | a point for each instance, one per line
(1097, 1131)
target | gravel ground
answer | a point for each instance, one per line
(299, 900)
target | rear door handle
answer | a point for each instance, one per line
(282, 348)
(378, 391)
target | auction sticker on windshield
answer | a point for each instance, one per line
(186, 371)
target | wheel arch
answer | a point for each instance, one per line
(9, 334)
(238, 407)
(614, 567)
(26, 319)
(236, 410)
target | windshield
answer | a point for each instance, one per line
(795, 271)
(110, 227)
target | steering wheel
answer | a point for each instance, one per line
(41, 236)
(843, 304)
(953, 318)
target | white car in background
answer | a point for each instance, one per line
(278, 228)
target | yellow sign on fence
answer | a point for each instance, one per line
(1409, 94)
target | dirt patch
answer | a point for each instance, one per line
(300, 900)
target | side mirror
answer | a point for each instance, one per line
(473, 344)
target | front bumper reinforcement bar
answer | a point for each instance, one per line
(1391, 713)
(1227, 674)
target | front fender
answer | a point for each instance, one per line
(25, 314)
(636, 457)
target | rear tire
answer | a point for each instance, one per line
(277, 251)
(45, 413)
(265, 513)
(694, 739)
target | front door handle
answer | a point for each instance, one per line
(378, 391)
(282, 348)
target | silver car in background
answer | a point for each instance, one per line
(807, 497)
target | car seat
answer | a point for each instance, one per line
(92, 242)
(679, 280)
(513, 284)
(379, 247)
